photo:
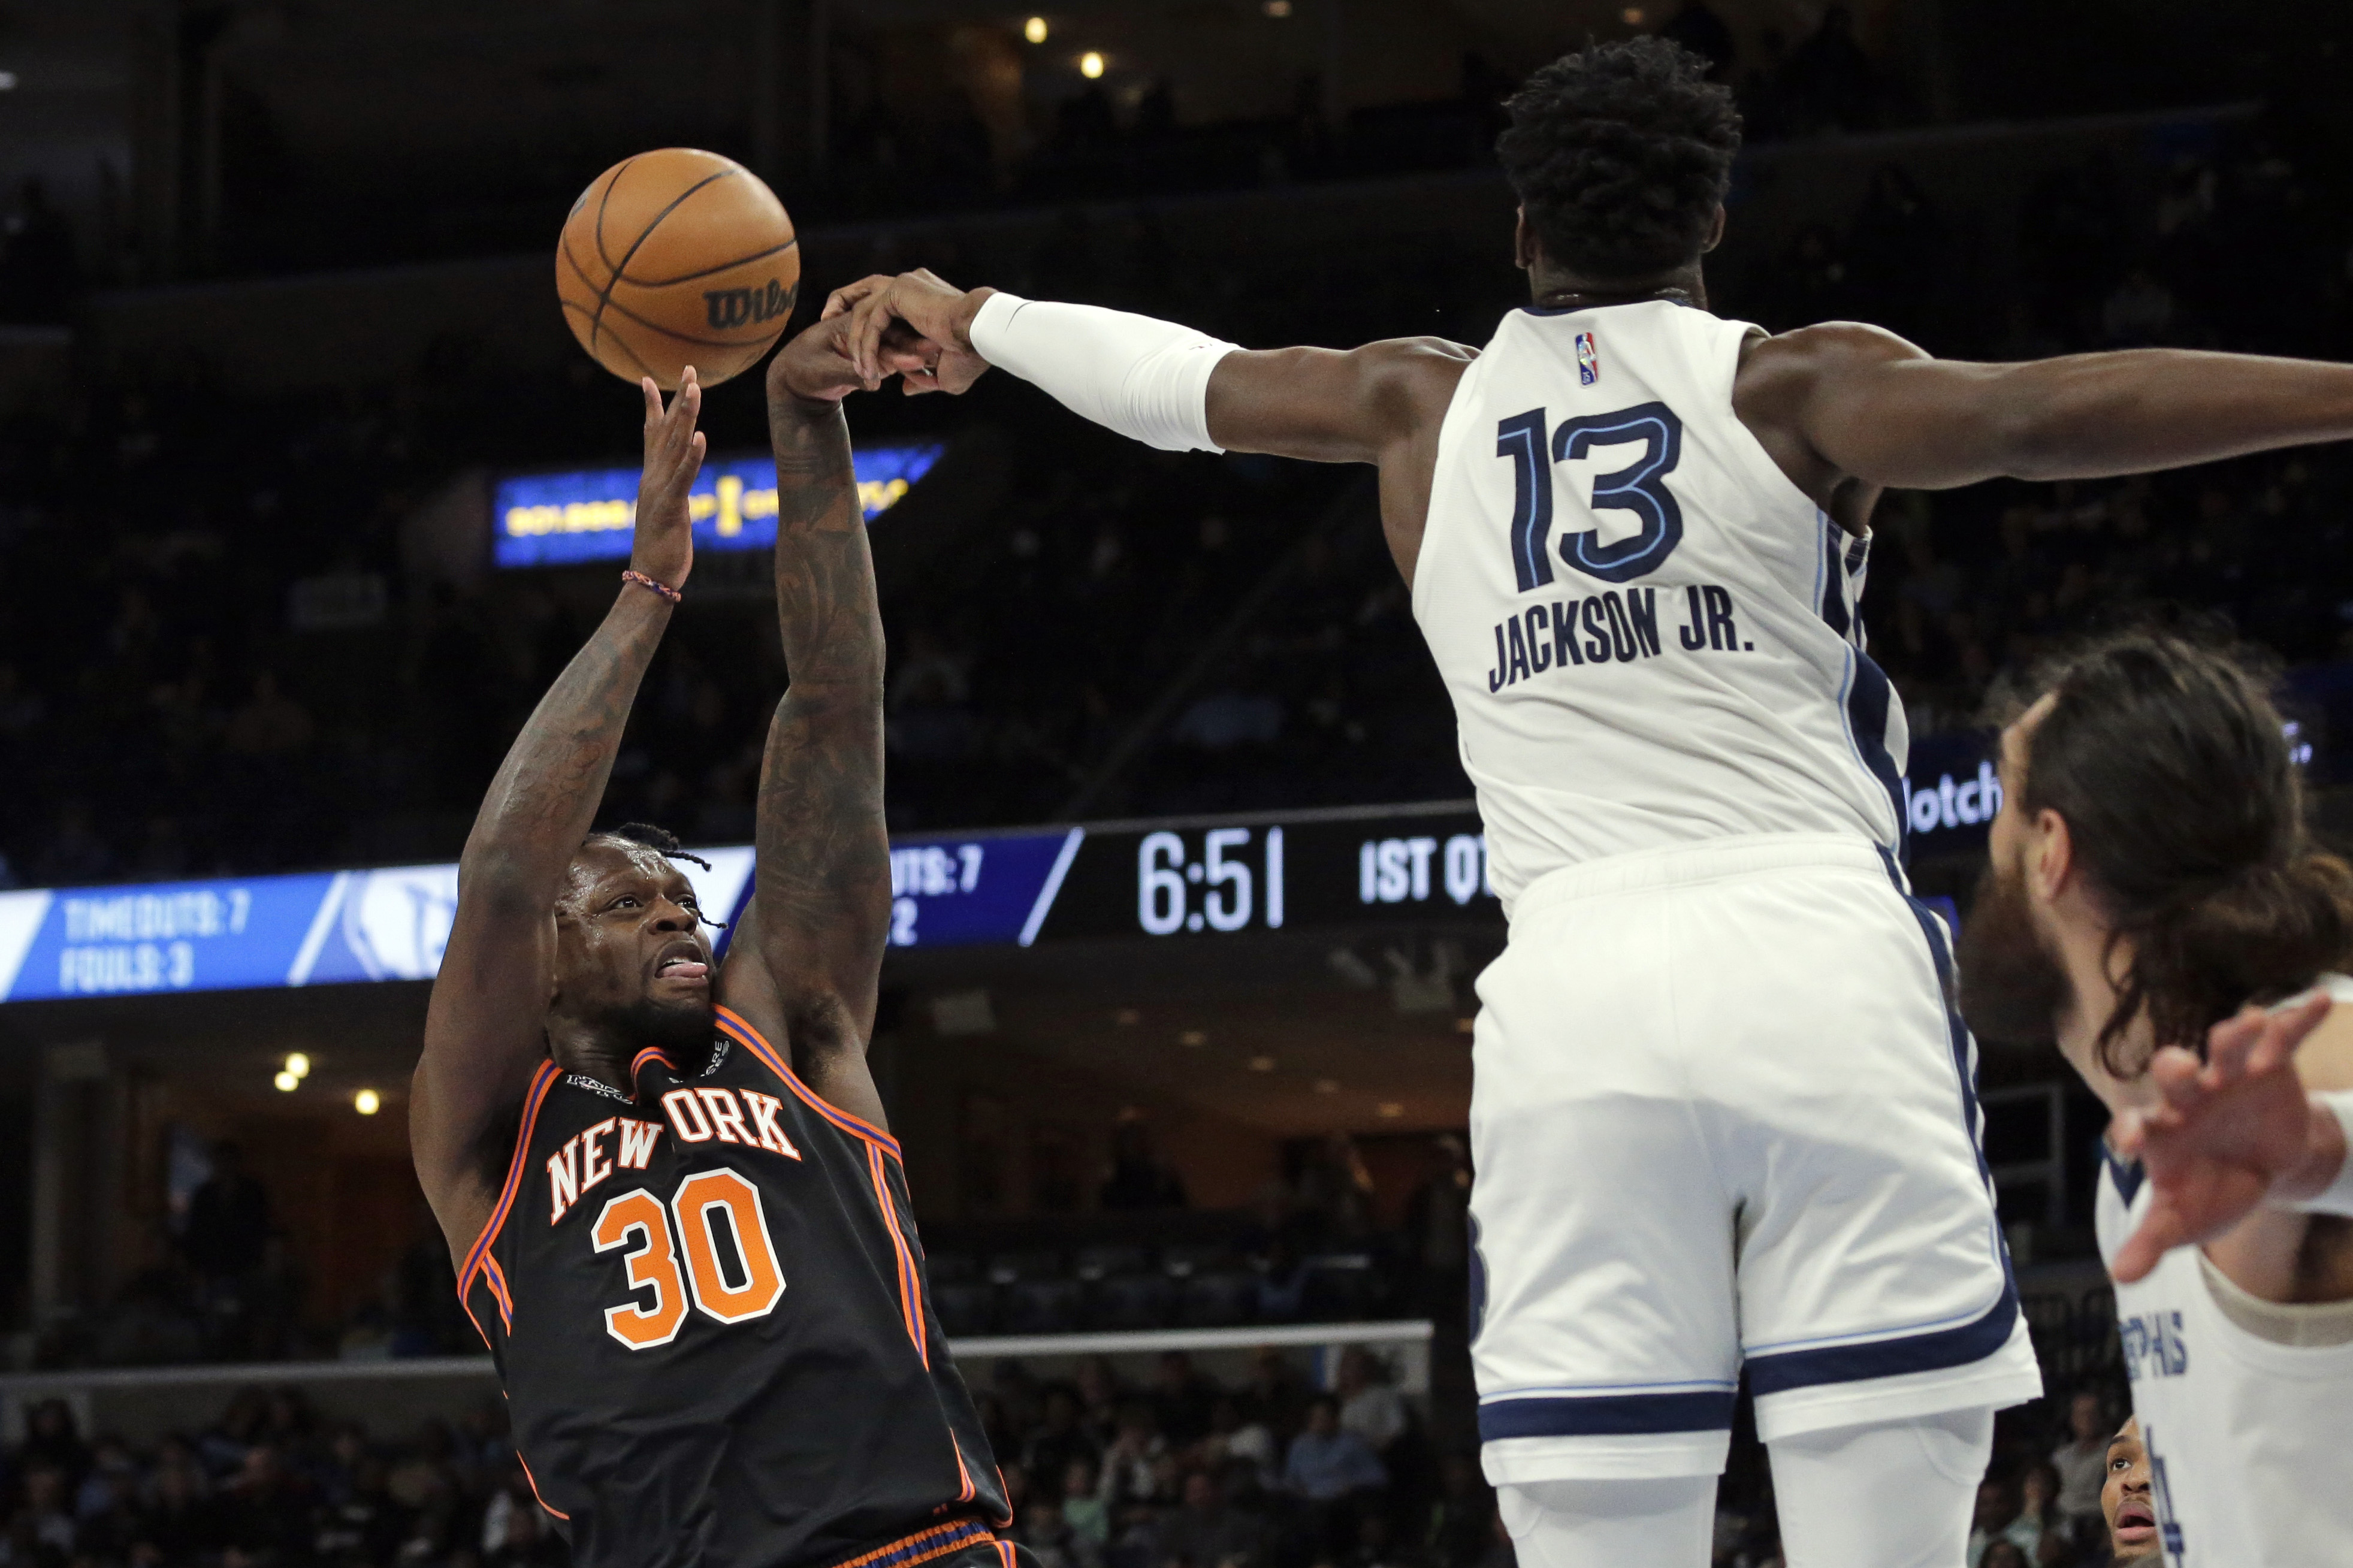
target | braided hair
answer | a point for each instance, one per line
(1619, 154)
(660, 840)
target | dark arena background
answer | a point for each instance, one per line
(306, 494)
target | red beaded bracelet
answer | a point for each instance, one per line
(664, 589)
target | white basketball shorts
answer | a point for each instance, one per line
(1724, 1114)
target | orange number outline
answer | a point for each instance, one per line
(763, 1283)
(653, 1265)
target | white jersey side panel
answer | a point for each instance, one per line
(2245, 1436)
(1648, 632)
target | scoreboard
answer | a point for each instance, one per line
(1211, 878)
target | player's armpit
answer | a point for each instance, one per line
(1333, 405)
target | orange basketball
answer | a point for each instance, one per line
(674, 258)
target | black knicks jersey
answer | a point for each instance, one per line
(708, 1307)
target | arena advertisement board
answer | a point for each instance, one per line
(552, 520)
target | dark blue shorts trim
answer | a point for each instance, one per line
(1932, 1352)
(1607, 1414)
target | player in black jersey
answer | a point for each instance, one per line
(679, 1220)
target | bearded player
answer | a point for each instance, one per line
(1722, 1118)
(2150, 876)
(679, 1220)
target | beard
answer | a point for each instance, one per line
(2013, 986)
(683, 1031)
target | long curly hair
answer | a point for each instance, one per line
(2168, 762)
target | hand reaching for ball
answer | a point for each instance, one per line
(663, 545)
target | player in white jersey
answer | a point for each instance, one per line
(1722, 1117)
(2151, 873)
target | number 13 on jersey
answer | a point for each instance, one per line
(1637, 488)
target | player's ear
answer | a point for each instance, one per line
(1523, 242)
(1714, 231)
(2050, 856)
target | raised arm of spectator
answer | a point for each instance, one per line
(1866, 404)
(805, 969)
(484, 1028)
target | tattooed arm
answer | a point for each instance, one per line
(484, 1030)
(806, 968)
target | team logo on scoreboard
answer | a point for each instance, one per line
(1589, 361)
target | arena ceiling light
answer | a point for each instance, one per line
(286, 1081)
(8, 81)
(297, 1064)
(1278, 9)
(1034, 29)
(367, 1102)
(1090, 65)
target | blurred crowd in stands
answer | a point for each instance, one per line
(229, 1283)
(1114, 138)
(1108, 139)
(1176, 1471)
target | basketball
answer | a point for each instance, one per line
(678, 258)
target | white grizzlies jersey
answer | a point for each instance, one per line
(2246, 1432)
(1649, 633)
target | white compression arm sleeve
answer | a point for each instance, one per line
(1146, 379)
(2339, 1197)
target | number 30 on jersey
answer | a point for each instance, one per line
(1637, 488)
(703, 1204)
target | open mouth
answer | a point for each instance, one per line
(683, 962)
(2136, 1524)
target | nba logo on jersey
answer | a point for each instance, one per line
(1589, 362)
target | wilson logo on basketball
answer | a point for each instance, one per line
(725, 308)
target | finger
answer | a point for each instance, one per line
(865, 331)
(874, 320)
(2175, 1074)
(915, 382)
(2228, 1043)
(2283, 1032)
(653, 400)
(2127, 1133)
(2146, 1246)
(849, 294)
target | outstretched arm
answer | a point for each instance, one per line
(483, 1029)
(1864, 403)
(807, 968)
(1165, 384)
(1178, 389)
